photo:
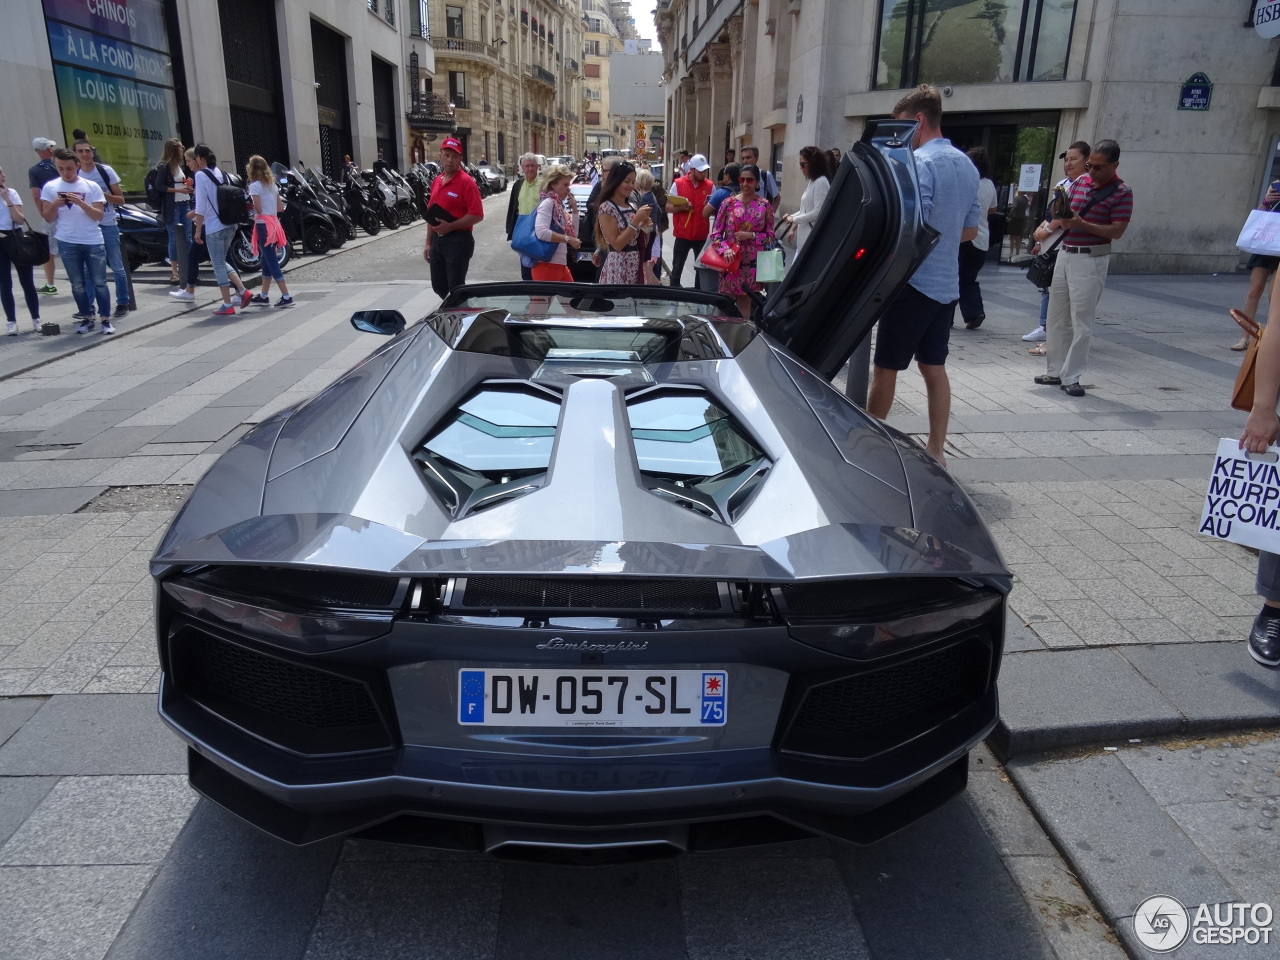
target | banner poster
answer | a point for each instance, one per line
(114, 78)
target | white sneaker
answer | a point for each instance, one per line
(12, 328)
(182, 295)
(35, 326)
(1035, 336)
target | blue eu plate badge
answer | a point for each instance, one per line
(713, 697)
(471, 698)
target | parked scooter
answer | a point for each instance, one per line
(143, 238)
(304, 218)
(362, 207)
(380, 189)
(403, 195)
(332, 203)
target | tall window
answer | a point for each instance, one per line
(458, 88)
(418, 23)
(453, 22)
(983, 41)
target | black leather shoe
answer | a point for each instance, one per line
(1047, 381)
(122, 310)
(1073, 389)
(1264, 640)
(976, 322)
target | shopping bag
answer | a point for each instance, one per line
(523, 240)
(1261, 233)
(1242, 503)
(769, 266)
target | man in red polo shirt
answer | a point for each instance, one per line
(453, 208)
(687, 222)
(1081, 272)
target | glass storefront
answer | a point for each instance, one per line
(972, 41)
(114, 75)
(1014, 142)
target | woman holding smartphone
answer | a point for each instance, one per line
(621, 230)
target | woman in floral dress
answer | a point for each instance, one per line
(622, 232)
(746, 220)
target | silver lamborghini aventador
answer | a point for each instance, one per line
(605, 570)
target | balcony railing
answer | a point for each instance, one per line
(543, 74)
(487, 110)
(433, 115)
(571, 117)
(467, 48)
(571, 65)
(459, 100)
(526, 113)
(540, 118)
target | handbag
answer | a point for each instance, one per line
(711, 258)
(525, 241)
(770, 267)
(1261, 233)
(1040, 269)
(1242, 392)
(26, 248)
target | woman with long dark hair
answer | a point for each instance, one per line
(744, 221)
(973, 253)
(813, 164)
(622, 231)
(175, 204)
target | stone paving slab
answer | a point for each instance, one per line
(94, 734)
(26, 503)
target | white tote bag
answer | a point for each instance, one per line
(1242, 503)
(1261, 233)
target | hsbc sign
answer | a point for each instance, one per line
(1266, 18)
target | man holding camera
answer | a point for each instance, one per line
(77, 205)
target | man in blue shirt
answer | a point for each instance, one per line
(917, 324)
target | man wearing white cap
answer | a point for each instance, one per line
(685, 203)
(453, 208)
(37, 177)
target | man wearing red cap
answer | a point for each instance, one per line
(453, 208)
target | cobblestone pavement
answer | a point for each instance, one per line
(104, 851)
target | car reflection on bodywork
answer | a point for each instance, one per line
(593, 569)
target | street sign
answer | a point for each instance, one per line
(1029, 177)
(1266, 18)
(1196, 93)
(640, 144)
(562, 141)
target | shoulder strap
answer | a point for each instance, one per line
(1098, 198)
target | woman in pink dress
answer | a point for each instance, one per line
(747, 220)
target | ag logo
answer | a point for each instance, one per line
(1161, 924)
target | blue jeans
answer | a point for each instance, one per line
(86, 266)
(219, 243)
(180, 244)
(1044, 306)
(270, 254)
(115, 260)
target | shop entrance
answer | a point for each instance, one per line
(1013, 141)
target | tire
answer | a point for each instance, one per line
(370, 223)
(318, 239)
(284, 253)
(405, 213)
(339, 232)
(240, 255)
(389, 218)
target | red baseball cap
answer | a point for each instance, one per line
(451, 143)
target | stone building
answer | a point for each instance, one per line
(1189, 90)
(290, 80)
(510, 69)
(606, 25)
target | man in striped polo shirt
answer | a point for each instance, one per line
(1081, 272)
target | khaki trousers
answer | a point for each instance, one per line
(1077, 285)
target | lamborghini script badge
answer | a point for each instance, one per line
(560, 643)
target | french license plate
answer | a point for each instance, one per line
(593, 698)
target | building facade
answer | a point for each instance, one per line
(607, 25)
(1189, 90)
(510, 69)
(636, 102)
(293, 81)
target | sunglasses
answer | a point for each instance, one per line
(746, 179)
(1097, 166)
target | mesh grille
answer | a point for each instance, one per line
(305, 696)
(529, 593)
(863, 598)
(867, 713)
(322, 587)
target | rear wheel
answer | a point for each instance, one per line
(369, 223)
(405, 213)
(318, 238)
(241, 256)
(389, 218)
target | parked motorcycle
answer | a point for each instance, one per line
(403, 194)
(379, 188)
(143, 238)
(304, 218)
(362, 206)
(331, 200)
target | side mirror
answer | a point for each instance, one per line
(387, 323)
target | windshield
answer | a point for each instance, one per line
(518, 304)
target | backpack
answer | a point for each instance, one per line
(151, 186)
(231, 202)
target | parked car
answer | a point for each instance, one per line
(603, 570)
(496, 176)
